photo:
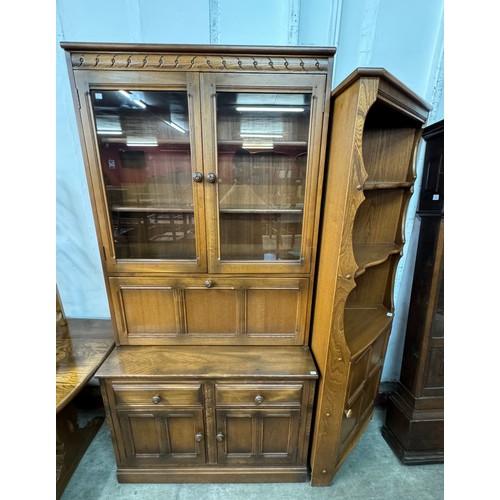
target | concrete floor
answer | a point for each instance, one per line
(371, 472)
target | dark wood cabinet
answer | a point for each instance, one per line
(414, 425)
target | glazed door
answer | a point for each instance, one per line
(261, 157)
(143, 137)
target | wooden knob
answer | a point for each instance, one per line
(156, 399)
(209, 283)
(259, 399)
(198, 437)
(220, 437)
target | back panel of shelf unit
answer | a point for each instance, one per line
(388, 139)
(378, 219)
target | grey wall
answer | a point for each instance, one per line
(403, 36)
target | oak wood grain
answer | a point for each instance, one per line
(370, 173)
(209, 362)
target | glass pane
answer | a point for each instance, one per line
(262, 142)
(144, 148)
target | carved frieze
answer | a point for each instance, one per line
(196, 62)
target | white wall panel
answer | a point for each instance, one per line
(254, 22)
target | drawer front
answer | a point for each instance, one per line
(158, 395)
(254, 395)
(210, 309)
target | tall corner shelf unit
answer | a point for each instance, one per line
(250, 287)
(370, 172)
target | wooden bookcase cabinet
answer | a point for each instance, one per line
(208, 242)
(253, 294)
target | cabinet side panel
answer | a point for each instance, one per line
(337, 267)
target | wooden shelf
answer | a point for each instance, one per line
(152, 208)
(371, 185)
(161, 142)
(250, 211)
(362, 326)
(371, 255)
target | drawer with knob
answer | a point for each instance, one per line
(158, 395)
(249, 395)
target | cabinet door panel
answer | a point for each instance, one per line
(258, 437)
(219, 310)
(143, 144)
(263, 159)
(240, 434)
(166, 437)
(277, 435)
(211, 312)
(272, 312)
(150, 310)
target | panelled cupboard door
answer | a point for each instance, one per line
(249, 436)
(142, 139)
(261, 159)
(173, 436)
(220, 310)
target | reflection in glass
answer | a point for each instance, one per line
(262, 143)
(144, 149)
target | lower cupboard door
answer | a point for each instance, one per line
(174, 437)
(257, 437)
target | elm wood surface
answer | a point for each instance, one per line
(234, 289)
(414, 425)
(209, 362)
(163, 57)
(81, 347)
(209, 414)
(226, 239)
(186, 310)
(374, 134)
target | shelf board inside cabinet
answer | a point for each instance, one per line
(371, 185)
(151, 208)
(371, 255)
(243, 210)
(362, 326)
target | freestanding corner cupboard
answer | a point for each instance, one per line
(206, 172)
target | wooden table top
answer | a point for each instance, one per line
(81, 347)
